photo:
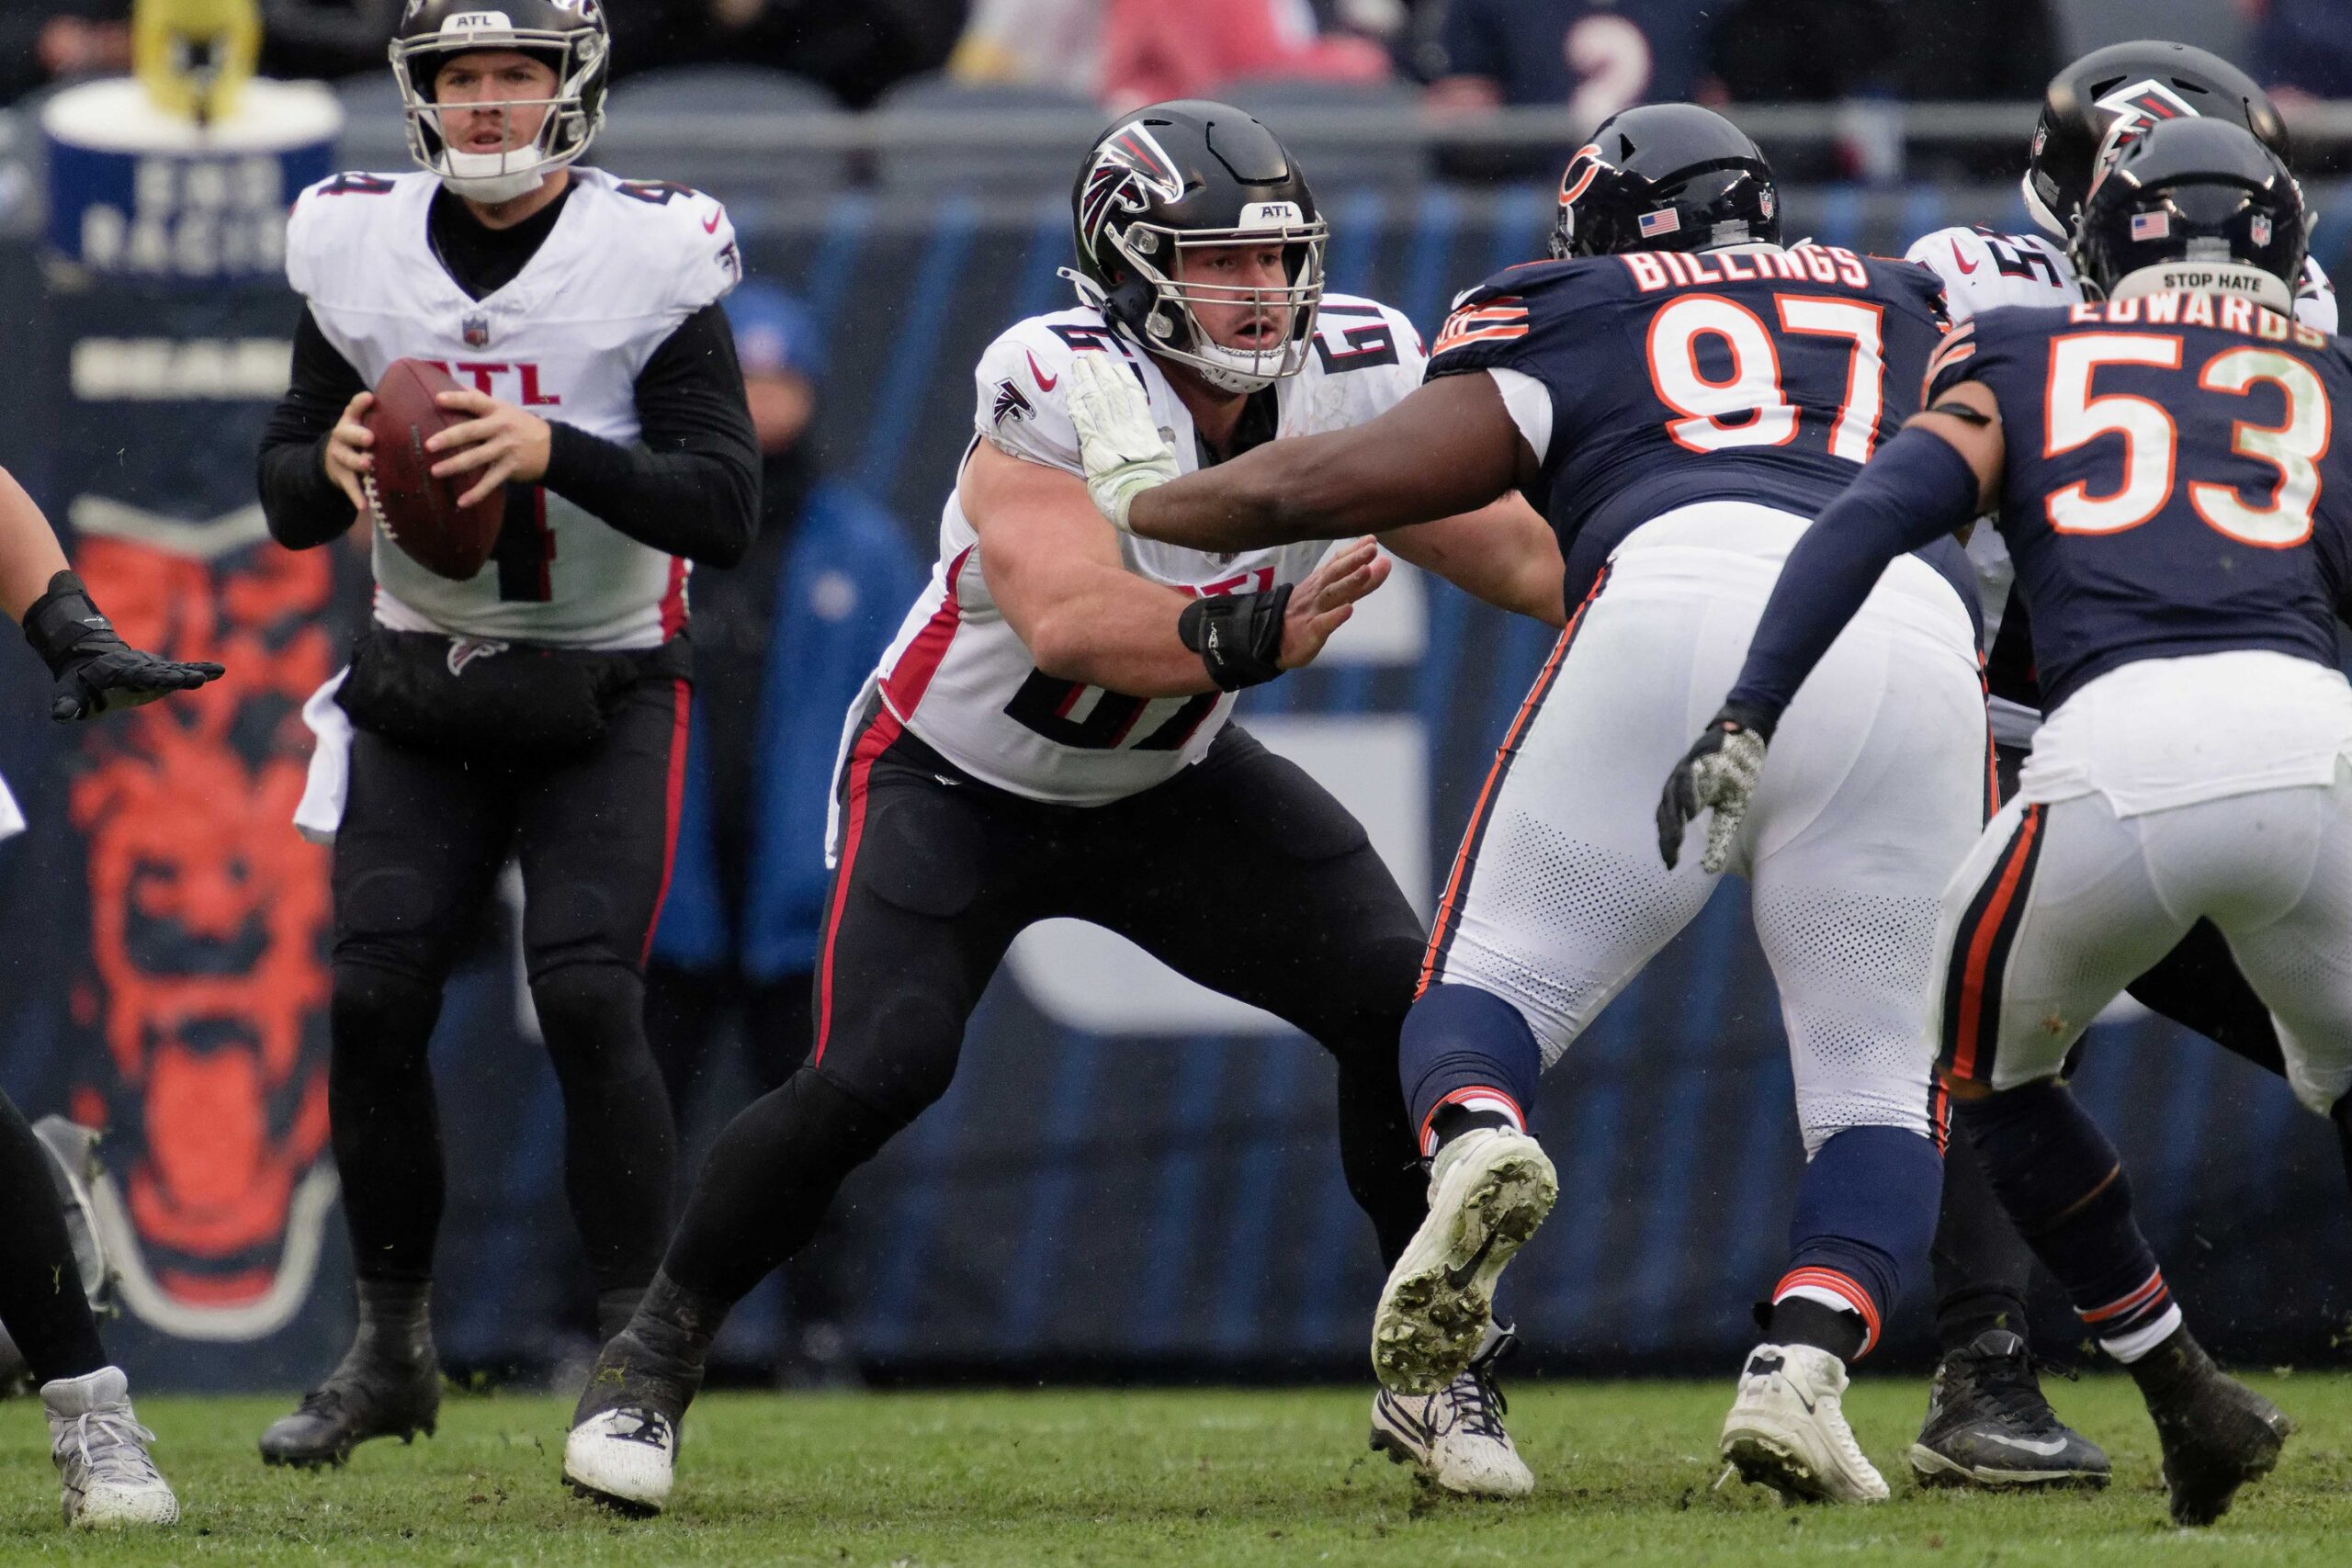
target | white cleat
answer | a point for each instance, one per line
(100, 1450)
(1455, 1439)
(624, 1457)
(1786, 1429)
(1489, 1189)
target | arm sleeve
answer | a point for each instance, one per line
(302, 506)
(693, 488)
(1916, 490)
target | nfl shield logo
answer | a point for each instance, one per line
(2151, 225)
(476, 330)
(1768, 203)
(2261, 229)
(1653, 224)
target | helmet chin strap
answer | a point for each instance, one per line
(2240, 278)
(489, 187)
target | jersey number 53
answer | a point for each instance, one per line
(2079, 414)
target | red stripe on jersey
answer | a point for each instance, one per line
(673, 600)
(911, 676)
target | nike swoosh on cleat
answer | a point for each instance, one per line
(2046, 1448)
(1457, 1278)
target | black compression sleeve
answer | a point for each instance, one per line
(303, 507)
(693, 488)
(1915, 492)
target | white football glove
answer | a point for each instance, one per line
(1125, 453)
(1719, 773)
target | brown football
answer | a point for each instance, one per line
(417, 512)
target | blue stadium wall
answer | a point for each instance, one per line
(1082, 1202)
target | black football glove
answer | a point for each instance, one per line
(96, 671)
(1720, 771)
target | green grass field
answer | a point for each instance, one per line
(1623, 1475)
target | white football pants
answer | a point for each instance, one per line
(2060, 906)
(1875, 787)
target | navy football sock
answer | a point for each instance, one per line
(2063, 1184)
(1866, 1214)
(1468, 1049)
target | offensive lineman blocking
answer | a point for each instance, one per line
(1048, 736)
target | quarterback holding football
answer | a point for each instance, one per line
(537, 705)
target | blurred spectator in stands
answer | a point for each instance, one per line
(1985, 51)
(1593, 56)
(856, 48)
(45, 41)
(2302, 48)
(1806, 51)
(1038, 42)
(326, 38)
(1157, 49)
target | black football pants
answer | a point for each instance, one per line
(1241, 873)
(1981, 1265)
(42, 1303)
(423, 839)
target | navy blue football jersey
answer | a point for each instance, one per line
(2171, 487)
(1754, 374)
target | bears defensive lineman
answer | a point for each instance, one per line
(1988, 1422)
(1048, 736)
(1684, 394)
(540, 708)
(2162, 464)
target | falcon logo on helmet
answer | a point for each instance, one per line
(2136, 108)
(1129, 169)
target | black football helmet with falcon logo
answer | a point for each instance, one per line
(1664, 177)
(2100, 102)
(1180, 177)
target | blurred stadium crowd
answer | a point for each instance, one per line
(1465, 56)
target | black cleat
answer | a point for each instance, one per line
(2217, 1434)
(388, 1385)
(368, 1395)
(1989, 1424)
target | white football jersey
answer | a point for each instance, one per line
(959, 676)
(624, 265)
(1984, 270)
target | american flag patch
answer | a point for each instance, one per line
(2151, 225)
(1656, 223)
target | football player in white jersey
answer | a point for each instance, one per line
(1988, 1422)
(1048, 736)
(540, 707)
(96, 1439)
